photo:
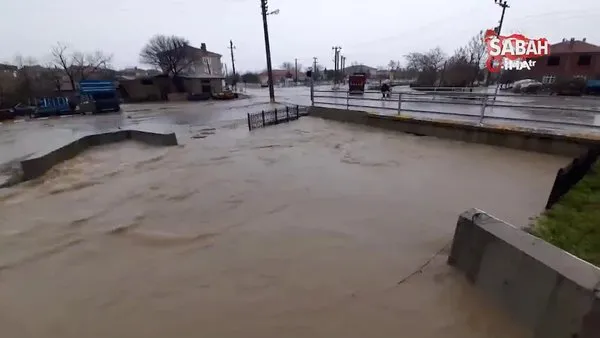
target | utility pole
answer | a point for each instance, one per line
(296, 64)
(314, 72)
(336, 50)
(504, 6)
(343, 67)
(264, 8)
(233, 80)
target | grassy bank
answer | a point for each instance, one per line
(573, 224)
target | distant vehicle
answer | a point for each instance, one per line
(572, 87)
(22, 110)
(526, 86)
(592, 87)
(532, 87)
(100, 95)
(356, 83)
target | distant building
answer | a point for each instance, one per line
(281, 76)
(568, 59)
(7, 69)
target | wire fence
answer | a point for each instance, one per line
(465, 105)
(567, 177)
(273, 117)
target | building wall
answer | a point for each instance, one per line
(567, 68)
(206, 66)
(159, 88)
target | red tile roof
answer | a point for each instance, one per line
(573, 47)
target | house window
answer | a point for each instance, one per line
(554, 61)
(584, 60)
(147, 82)
(548, 79)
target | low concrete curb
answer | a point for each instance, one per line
(37, 165)
(511, 138)
(550, 291)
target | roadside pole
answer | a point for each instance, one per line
(504, 6)
(312, 82)
(264, 8)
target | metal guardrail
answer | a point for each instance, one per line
(272, 117)
(485, 101)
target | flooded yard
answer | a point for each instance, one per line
(309, 229)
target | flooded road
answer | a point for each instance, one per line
(307, 229)
(509, 111)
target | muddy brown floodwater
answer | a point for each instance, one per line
(298, 230)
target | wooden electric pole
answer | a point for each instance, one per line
(264, 7)
(233, 79)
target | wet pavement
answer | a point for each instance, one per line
(18, 140)
(23, 138)
(546, 118)
(306, 229)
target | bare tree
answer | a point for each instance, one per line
(427, 64)
(392, 65)
(431, 60)
(78, 66)
(170, 54)
(459, 68)
(476, 50)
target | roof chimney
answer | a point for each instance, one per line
(564, 40)
(203, 47)
(584, 40)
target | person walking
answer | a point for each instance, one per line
(385, 90)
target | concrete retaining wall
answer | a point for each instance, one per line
(517, 139)
(541, 286)
(37, 165)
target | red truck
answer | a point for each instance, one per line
(356, 83)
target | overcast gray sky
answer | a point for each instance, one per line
(371, 32)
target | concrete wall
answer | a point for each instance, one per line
(517, 139)
(37, 165)
(541, 286)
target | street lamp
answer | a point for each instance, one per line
(264, 8)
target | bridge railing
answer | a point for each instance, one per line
(475, 107)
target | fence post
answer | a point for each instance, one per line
(297, 111)
(399, 103)
(348, 100)
(287, 113)
(249, 124)
(483, 104)
(276, 121)
(263, 118)
(312, 91)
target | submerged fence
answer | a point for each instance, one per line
(567, 177)
(272, 117)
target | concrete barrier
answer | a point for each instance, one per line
(153, 138)
(511, 138)
(550, 291)
(38, 165)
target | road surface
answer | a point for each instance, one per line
(546, 119)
